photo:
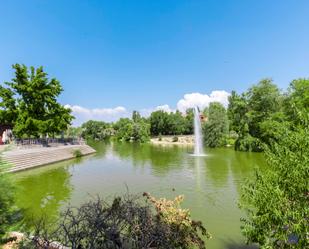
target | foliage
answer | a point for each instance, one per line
(297, 101)
(277, 199)
(159, 123)
(75, 132)
(136, 129)
(173, 123)
(253, 113)
(236, 111)
(97, 130)
(29, 102)
(9, 214)
(179, 219)
(127, 222)
(248, 143)
(216, 128)
(77, 153)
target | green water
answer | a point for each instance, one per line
(211, 184)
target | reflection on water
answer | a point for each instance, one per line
(43, 191)
(210, 184)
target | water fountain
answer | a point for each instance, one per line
(198, 137)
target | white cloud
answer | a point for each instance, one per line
(83, 114)
(164, 108)
(147, 111)
(189, 100)
(202, 100)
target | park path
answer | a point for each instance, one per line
(23, 159)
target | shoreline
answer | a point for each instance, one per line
(183, 140)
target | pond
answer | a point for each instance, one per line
(211, 184)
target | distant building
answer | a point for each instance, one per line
(203, 118)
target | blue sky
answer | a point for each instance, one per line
(142, 54)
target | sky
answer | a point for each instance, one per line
(114, 56)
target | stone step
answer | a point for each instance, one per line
(38, 159)
(45, 153)
(29, 158)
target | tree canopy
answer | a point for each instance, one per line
(216, 128)
(173, 123)
(135, 129)
(258, 115)
(96, 130)
(29, 103)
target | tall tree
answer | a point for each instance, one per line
(253, 113)
(159, 123)
(216, 127)
(297, 101)
(263, 101)
(29, 102)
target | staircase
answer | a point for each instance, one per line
(22, 159)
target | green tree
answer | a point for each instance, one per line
(236, 111)
(297, 101)
(216, 128)
(253, 113)
(176, 124)
(263, 101)
(74, 132)
(29, 102)
(136, 116)
(8, 108)
(276, 200)
(97, 130)
(173, 123)
(129, 130)
(189, 117)
(159, 123)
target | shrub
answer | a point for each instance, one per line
(9, 214)
(77, 153)
(128, 222)
(276, 200)
(248, 143)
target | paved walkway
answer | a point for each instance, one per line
(22, 159)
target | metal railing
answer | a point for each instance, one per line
(48, 142)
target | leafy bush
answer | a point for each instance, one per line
(277, 200)
(77, 153)
(248, 143)
(128, 222)
(9, 214)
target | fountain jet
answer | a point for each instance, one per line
(198, 137)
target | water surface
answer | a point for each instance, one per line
(211, 184)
